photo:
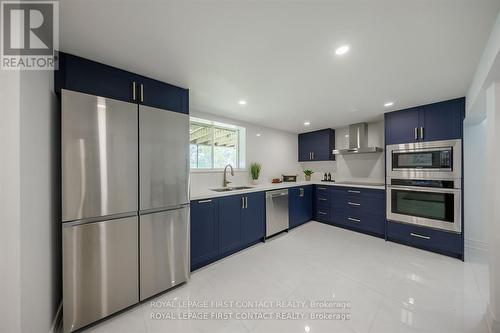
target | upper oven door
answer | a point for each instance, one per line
(437, 208)
(425, 160)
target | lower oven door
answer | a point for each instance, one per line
(431, 207)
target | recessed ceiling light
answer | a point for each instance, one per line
(388, 104)
(341, 50)
(242, 102)
(258, 134)
(307, 123)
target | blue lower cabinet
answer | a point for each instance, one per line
(358, 209)
(321, 203)
(322, 214)
(204, 232)
(443, 242)
(299, 205)
(225, 225)
(231, 226)
(253, 217)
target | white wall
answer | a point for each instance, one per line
(10, 229)
(40, 197)
(29, 198)
(492, 198)
(275, 150)
(483, 100)
(475, 181)
(362, 167)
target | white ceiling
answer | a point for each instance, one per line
(278, 55)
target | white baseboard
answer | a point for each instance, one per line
(56, 326)
(476, 250)
(492, 323)
(476, 244)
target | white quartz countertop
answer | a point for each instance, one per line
(208, 193)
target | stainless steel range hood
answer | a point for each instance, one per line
(358, 141)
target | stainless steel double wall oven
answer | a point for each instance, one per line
(424, 184)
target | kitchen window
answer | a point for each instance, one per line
(213, 145)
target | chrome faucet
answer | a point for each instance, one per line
(225, 181)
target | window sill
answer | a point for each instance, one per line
(215, 170)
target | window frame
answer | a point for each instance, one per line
(240, 144)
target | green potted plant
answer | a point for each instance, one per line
(255, 172)
(308, 173)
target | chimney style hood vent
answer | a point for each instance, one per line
(358, 141)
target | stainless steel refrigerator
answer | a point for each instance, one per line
(125, 205)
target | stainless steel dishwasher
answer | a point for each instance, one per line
(276, 211)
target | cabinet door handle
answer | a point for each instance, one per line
(142, 93)
(322, 199)
(421, 133)
(321, 188)
(134, 97)
(353, 191)
(242, 202)
(205, 201)
(354, 203)
(322, 213)
(313, 155)
(419, 236)
(301, 192)
(416, 133)
(353, 219)
(246, 202)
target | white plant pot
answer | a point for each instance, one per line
(308, 178)
(255, 181)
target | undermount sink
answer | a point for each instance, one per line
(227, 189)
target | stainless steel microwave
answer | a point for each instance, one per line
(425, 160)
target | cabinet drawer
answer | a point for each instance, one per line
(322, 213)
(367, 204)
(321, 189)
(426, 238)
(322, 200)
(369, 223)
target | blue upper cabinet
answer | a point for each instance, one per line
(83, 75)
(402, 126)
(163, 95)
(437, 121)
(317, 145)
(442, 121)
(87, 76)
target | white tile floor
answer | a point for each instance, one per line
(390, 287)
